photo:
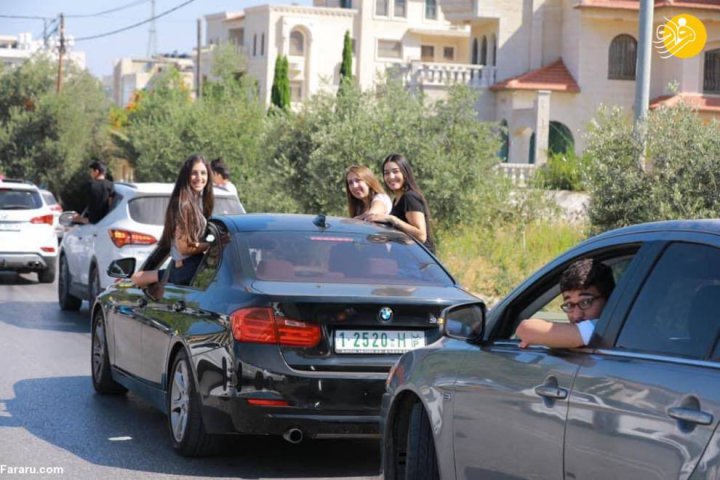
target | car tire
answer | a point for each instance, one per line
(421, 456)
(66, 300)
(100, 360)
(187, 431)
(47, 275)
(94, 288)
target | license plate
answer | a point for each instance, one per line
(9, 227)
(378, 341)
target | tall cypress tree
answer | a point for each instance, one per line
(346, 66)
(280, 92)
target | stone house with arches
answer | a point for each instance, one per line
(541, 67)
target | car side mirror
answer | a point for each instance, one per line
(121, 268)
(65, 219)
(464, 321)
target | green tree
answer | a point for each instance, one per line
(346, 65)
(280, 93)
(684, 175)
(49, 137)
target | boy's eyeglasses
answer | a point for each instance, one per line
(583, 304)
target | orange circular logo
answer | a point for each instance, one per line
(682, 36)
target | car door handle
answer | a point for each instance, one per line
(690, 415)
(549, 391)
(141, 302)
(178, 306)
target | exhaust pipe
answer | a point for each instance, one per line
(293, 435)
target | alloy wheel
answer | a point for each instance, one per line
(98, 348)
(179, 401)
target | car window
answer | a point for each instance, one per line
(677, 311)
(49, 198)
(151, 210)
(388, 258)
(11, 199)
(210, 264)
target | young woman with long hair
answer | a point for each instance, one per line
(364, 192)
(410, 212)
(191, 204)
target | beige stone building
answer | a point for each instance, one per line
(540, 67)
(15, 49)
(135, 74)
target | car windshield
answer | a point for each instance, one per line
(388, 258)
(151, 210)
(11, 199)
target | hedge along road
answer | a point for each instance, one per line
(53, 424)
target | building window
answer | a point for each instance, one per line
(381, 8)
(474, 58)
(296, 91)
(431, 9)
(560, 139)
(255, 45)
(262, 45)
(483, 51)
(711, 83)
(494, 50)
(399, 8)
(345, 3)
(621, 58)
(297, 43)
(389, 49)
(237, 36)
(449, 53)
(427, 53)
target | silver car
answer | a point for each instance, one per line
(641, 401)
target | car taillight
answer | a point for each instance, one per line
(48, 249)
(43, 219)
(124, 237)
(260, 325)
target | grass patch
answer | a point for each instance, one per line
(491, 262)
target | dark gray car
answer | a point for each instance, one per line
(642, 401)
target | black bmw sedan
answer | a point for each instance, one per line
(289, 327)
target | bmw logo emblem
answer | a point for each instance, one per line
(385, 314)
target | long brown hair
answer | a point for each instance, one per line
(409, 183)
(183, 214)
(355, 205)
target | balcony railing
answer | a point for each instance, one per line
(460, 10)
(419, 74)
(518, 173)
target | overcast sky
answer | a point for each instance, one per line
(175, 31)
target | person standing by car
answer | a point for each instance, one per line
(191, 204)
(221, 176)
(410, 212)
(585, 286)
(98, 193)
(364, 193)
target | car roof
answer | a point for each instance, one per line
(249, 222)
(18, 184)
(156, 188)
(709, 226)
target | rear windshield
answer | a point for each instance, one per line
(388, 258)
(151, 210)
(11, 199)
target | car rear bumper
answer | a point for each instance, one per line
(25, 261)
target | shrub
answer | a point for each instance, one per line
(563, 171)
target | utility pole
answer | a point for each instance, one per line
(642, 75)
(152, 34)
(198, 81)
(61, 52)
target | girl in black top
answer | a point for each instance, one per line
(410, 213)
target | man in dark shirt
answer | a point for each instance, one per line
(98, 191)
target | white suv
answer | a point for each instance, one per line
(27, 239)
(131, 228)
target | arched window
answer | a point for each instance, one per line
(622, 57)
(474, 58)
(483, 51)
(531, 153)
(297, 43)
(504, 152)
(560, 139)
(711, 83)
(494, 50)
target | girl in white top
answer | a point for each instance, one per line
(365, 194)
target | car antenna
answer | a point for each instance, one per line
(320, 221)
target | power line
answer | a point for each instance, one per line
(117, 9)
(129, 27)
(25, 17)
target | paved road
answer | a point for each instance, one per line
(51, 417)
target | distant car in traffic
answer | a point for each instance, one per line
(56, 209)
(27, 239)
(131, 228)
(641, 401)
(289, 327)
